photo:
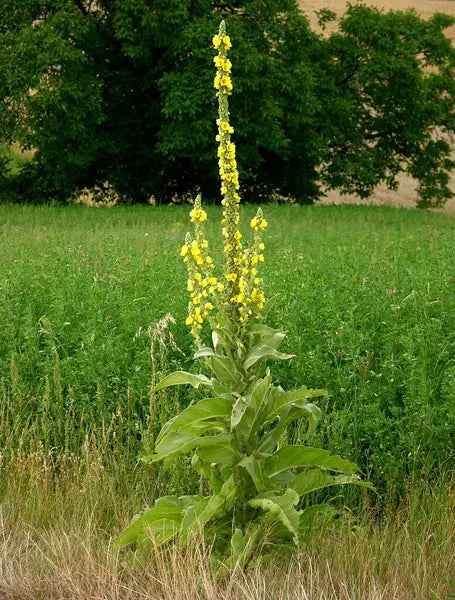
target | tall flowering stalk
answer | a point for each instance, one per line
(237, 435)
(241, 283)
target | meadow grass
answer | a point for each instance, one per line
(366, 296)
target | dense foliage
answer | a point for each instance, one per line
(368, 307)
(115, 91)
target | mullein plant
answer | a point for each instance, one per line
(256, 485)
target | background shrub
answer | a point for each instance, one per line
(117, 91)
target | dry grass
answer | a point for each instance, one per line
(56, 544)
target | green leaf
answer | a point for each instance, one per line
(177, 443)
(296, 398)
(224, 370)
(173, 444)
(259, 352)
(290, 457)
(281, 507)
(204, 352)
(312, 413)
(161, 522)
(238, 411)
(238, 546)
(256, 401)
(194, 418)
(208, 508)
(315, 479)
(253, 467)
(218, 449)
(182, 378)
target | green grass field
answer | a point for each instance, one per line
(367, 298)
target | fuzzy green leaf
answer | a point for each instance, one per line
(218, 449)
(282, 507)
(182, 378)
(161, 522)
(315, 479)
(290, 457)
(238, 411)
(206, 414)
(259, 352)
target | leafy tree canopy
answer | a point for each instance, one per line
(118, 91)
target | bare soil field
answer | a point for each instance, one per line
(406, 194)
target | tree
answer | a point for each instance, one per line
(116, 90)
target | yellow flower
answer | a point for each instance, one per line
(261, 246)
(213, 280)
(189, 321)
(198, 215)
(216, 41)
(254, 223)
(226, 42)
(184, 250)
(208, 305)
(190, 286)
(231, 276)
(196, 300)
(238, 235)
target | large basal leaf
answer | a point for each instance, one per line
(182, 378)
(160, 522)
(315, 479)
(260, 352)
(290, 457)
(282, 507)
(208, 508)
(195, 417)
